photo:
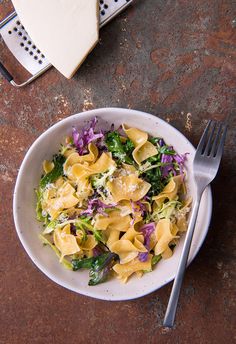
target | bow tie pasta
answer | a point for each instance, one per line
(113, 202)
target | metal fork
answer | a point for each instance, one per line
(205, 166)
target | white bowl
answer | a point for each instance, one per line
(28, 227)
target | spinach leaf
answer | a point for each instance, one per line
(121, 151)
(85, 263)
(99, 266)
(56, 172)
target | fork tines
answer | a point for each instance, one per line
(213, 139)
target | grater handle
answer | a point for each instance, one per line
(5, 73)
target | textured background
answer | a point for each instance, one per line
(176, 59)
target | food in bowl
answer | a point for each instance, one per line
(113, 202)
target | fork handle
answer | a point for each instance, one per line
(174, 296)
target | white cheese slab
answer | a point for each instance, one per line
(64, 30)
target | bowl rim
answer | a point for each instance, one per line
(82, 116)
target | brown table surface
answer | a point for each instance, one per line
(175, 59)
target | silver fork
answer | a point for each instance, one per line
(205, 166)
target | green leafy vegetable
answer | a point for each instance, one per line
(98, 235)
(99, 180)
(85, 263)
(86, 223)
(128, 147)
(50, 227)
(154, 140)
(166, 211)
(39, 210)
(99, 266)
(166, 150)
(154, 177)
(156, 159)
(83, 224)
(56, 172)
(156, 259)
(121, 151)
(153, 173)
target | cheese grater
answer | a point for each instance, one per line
(26, 52)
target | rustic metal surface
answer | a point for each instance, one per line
(173, 58)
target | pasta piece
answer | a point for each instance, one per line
(128, 247)
(163, 236)
(125, 207)
(124, 246)
(64, 199)
(130, 234)
(113, 220)
(126, 257)
(167, 253)
(65, 194)
(84, 190)
(153, 241)
(170, 191)
(48, 166)
(68, 151)
(65, 242)
(139, 274)
(103, 164)
(128, 169)
(138, 242)
(112, 236)
(89, 243)
(59, 182)
(75, 212)
(80, 173)
(128, 188)
(174, 229)
(75, 158)
(126, 270)
(143, 148)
